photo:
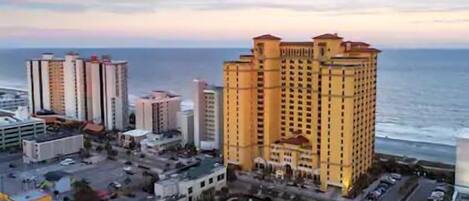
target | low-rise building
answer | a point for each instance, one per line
(34, 195)
(11, 99)
(205, 176)
(59, 181)
(16, 126)
(44, 148)
(155, 143)
(134, 137)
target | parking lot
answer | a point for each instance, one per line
(99, 175)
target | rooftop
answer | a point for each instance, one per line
(8, 118)
(328, 36)
(28, 196)
(267, 37)
(47, 138)
(297, 140)
(137, 133)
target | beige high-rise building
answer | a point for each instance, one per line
(208, 116)
(302, 109)
(81, 89)
(158, 112)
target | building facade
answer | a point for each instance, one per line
(11, 99)
(208, 116)
(158, 112)
(44, 148)
(15, 127)
(186, 126)
(323, 90)
(81, 89)
(189, 186)
(462, 164)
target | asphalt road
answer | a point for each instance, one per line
(423, 191)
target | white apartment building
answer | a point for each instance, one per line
(48, 147)
(153, 144)
(16, 126)
(133, 136)
(11, 99)
(81, 89)
(462, 164)
(186, 126)
(157, 112)
(189, 185)
(208, 116)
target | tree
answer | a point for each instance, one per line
(83, 191)
(87, 144)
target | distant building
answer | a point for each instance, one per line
(11, 99)
(462, 165)
(155, 143)
(186, 126)
(34, 195)
(133, 136)
(15, 127)
(208, 116)
(82, 89)
(207, 175)
(157, 112)
(44, 148)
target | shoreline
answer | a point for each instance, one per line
(433, 152)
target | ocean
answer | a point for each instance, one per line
(423, 94)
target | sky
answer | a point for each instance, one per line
(230, 23)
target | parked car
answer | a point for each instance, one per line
(396, 176)
(12, 175)
(67, 162)
(116, 185)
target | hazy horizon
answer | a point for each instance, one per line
(230, 23)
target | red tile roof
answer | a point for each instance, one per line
(356, 43)
(267, 37)
(297, 43)
(328, 36)
(363, 50)
(297, 140)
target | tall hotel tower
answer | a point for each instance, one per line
(208, 116)
(82, 89)
(302, 109)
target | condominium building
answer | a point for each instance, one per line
(82, 89)
(302, 108)
(157, 112)
(462, 164)
(16, 126)
(208, 116)
(186, 126)
(48, 147)
(11, 99)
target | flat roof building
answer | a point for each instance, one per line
(48, 147)
(11, 99)
(207, 175)
(157, 112)
(134, 137)
(16, 126)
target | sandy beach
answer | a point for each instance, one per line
(420, 150)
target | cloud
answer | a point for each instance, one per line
(335, 6)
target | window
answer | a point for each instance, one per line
(221, 177)
(210, 181)
(202, 184)
(189, 190)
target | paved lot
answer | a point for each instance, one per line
(393, 193)
(423, 191)
(99, 175)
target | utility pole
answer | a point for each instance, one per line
(2, 187)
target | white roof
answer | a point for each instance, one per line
(463, 134)
(137, 133)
